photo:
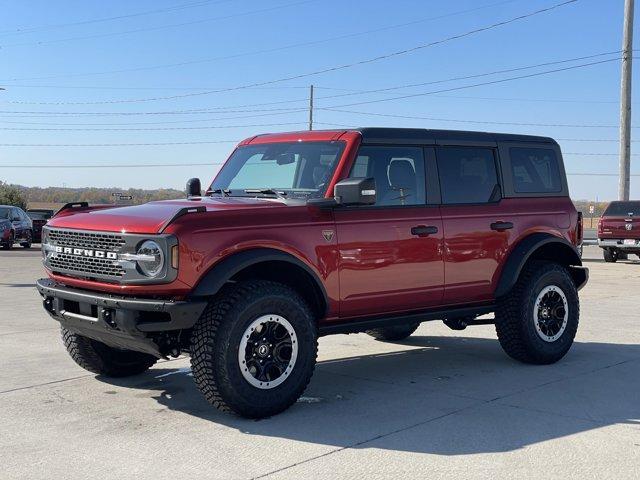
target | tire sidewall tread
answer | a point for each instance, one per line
(514, 316)
(215, 341)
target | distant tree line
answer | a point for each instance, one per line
(12, 195)
(21, 196)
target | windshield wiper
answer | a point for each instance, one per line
(267, 191)
(220, 191)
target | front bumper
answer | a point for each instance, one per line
(618, 244)
(137, 324)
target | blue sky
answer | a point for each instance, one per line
(55, 56)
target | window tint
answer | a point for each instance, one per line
(298, 168)
(623, 209)
(467, 175)
(535, 170)
(398, 171)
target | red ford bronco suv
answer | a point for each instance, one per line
(619, 230)
(313, 233)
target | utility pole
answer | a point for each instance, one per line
(311, 107)
(625, 102)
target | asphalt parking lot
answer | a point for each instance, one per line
(443, 404)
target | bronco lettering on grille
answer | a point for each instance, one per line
(83, 252)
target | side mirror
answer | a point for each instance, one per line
(193, 187)
(355, 191)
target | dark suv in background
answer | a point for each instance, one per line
(305, 234)
(15, 227)
(39, 218)
(619, 230)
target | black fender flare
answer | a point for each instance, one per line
(212, 281)
(567, 254)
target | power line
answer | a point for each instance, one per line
(207, 127)
(493, 82)
(159, 27)
(334, 68)
(351, 93)
(219, 119)
(25, 30)
(455, 120)
(469, 77)
(276, 49)
(113, 144)
(200, 111)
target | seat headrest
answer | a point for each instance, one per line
(401, 174)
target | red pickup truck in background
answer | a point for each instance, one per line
(619, 230)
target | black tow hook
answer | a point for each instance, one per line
(48, 304)
(108, 316)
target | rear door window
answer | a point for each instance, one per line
(467, 175)
(535, 170)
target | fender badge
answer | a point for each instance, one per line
(328, 235)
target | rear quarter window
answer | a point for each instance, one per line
(535, 170)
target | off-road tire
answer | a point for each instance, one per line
(394, 333)
(215, 343)
(9, 244)
(515, 324)
(609, 256)
(102, 359)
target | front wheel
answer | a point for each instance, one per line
(537, 321)
(10, 241)
(254, 348)
(102, 359)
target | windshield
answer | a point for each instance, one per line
(623, 209)
(292, 169)
(4, 213)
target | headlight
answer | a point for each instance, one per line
(151, 258)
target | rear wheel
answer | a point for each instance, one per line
(254, 348)
(104, 360)
(394, 333)
(28, 240)
(610, 256)
(537, 321)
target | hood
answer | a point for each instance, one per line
(149, 218)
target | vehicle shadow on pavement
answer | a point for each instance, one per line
(444, 395)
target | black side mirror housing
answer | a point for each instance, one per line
(355, 191)
(193, 187)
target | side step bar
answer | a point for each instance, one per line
(361, 325)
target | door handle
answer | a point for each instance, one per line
(501, 226)
(423, 231)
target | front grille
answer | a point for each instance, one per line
(83, 265)
(99, 241)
